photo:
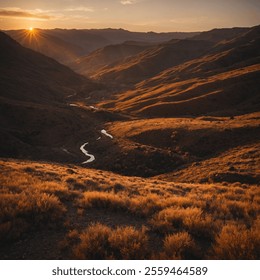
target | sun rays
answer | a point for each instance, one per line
(32, 37)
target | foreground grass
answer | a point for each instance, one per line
(140, 218)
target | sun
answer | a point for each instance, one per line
(30, 28)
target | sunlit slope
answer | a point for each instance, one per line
(178, 143)
(224, 81)
(51, 211)
(152, 61)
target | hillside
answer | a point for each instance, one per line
(164, 56)
(31, 70)
(108, 56)
(182, 143)
(220, 82)
(57, 212)
(38, 116)
(152, 61)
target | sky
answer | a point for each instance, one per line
(134, 15)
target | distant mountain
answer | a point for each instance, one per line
(220, 34)
(108, 56)
(66, 45)
(222, 81)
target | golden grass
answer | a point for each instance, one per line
(20, 211)
(237, 242)
(179, 220)
(102, 242)
(178, 246)
(27, 203)
(102, 200)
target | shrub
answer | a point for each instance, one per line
(237, 242)
(202, 226)
(178, 246)
(145, 205)
(19, 211)
(103, 200)
(129, 243)
(101, 242)
(171, 218)
(94, 243)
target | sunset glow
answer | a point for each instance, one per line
(135, 15)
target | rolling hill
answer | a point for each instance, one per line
(152, 61)
(108, 56)
(220, 81)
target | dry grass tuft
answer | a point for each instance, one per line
(236, 242)
(178, 246)
(102, 242)
(20, 211)
(103, 200)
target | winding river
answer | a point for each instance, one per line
(107, 134)
(85, 152)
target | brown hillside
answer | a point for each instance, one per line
(221, 82)
(108, 56)
(152, 61)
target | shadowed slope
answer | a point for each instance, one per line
(29, 76)
(108, 56)
(36, 118)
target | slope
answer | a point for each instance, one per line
(223, 81)
(108, 56)
(53, 211)
(152, 61)
(37, 119)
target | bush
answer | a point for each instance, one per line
(94, 243)
(170, 219)
(178, 246)
(103, 200)
(21, 210)
(237, 242)
(101, 242)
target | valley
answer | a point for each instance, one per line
(145, 144)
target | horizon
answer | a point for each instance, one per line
(133, 15)
(31, 28)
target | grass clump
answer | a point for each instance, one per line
(104, 200)
(236, 242)
(21, 211)
(102, 242)
(178, 246)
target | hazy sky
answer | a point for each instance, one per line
(136, 15)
